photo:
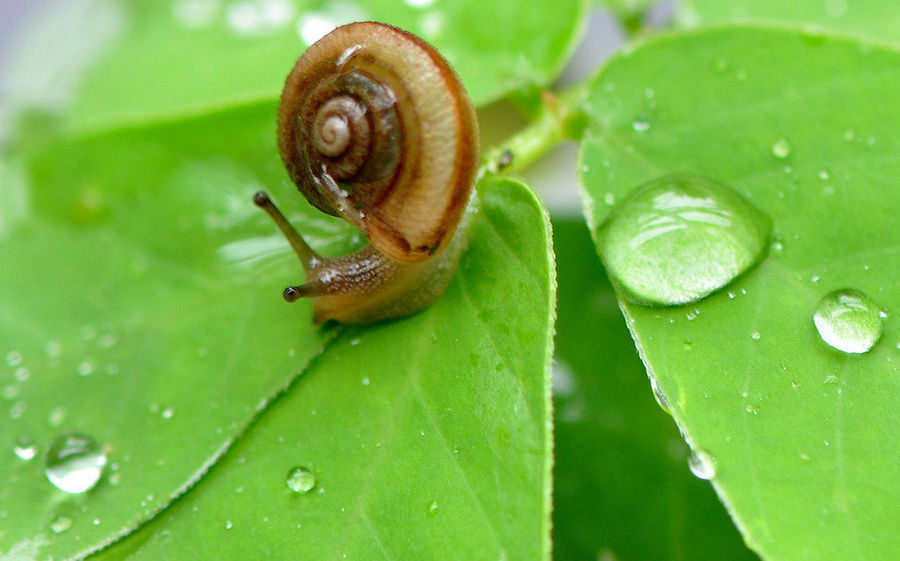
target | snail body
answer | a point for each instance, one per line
(375, 127)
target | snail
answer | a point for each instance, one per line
(375, 127)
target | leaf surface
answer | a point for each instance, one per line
(429, 438)
(799, 435)
(622, 488)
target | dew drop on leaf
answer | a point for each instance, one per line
(25, 449)
(659, 396)
(679, 238)
(702, 464)
(781, 148)
(301, 480)
(433, 508)
(61, 524)
(74, 463)
(849, 321)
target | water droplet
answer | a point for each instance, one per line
(301, 480)
(228, 524)
(755, 335)
(61, 524)
(365, 381)
(56, 417)
(659, 396)
(679, 238)
(702, 464)
(849, 321)
(167, 413)
(824, 175)
(22, 374)
(432, 508)
(781, 149)
(14, 358)
(86, 367)
(640, 125)
(849, 134)
(11, 391)
(25, 449)
(74, 463)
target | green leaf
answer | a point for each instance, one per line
(801, 436)
(141, 288)
(429, 438)
(622, 489)
(876, 20)
(145, 60)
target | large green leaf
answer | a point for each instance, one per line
(801, 437)
(139, 289)
(429, 438)
(145, 60)
(878, 20)
(622, 489)
(140, 304)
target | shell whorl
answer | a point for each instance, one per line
(374, 126)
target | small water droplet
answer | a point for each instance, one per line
(167, 413)
(849, 134)
(609, 199)
(702, 464)
(432, 508)
(659, 396)
(56, 417)
(365, 381)
(755, 336)
(354, 342)
(22, 374)
(86, 367)
(814, 278)
(11, 391)
(53, 349)
(849, 321)
(640, 125)
(781, 148)
(14, 358)
(61, 524)
(74, 462)
(301, 480)
(228, 525)
(96, 521)
(679, 238)
(25, 449)
(824, 175)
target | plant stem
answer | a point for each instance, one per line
(560, 119)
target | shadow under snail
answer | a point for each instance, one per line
(375, 127)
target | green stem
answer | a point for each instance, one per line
(560, 118)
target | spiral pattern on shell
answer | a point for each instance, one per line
(374, 126)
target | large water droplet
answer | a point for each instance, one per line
(849, 321)
(301, 480)
(702, 465)
(74, 462)
(680, 238)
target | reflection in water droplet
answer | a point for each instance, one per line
(781, 148)
(702, 464)
(679, 238)
(849, 321)
(61, 524)
(301, 480)
(640, 125)
(74, 463)
(433, 508)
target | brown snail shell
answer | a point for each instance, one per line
(376, 127)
